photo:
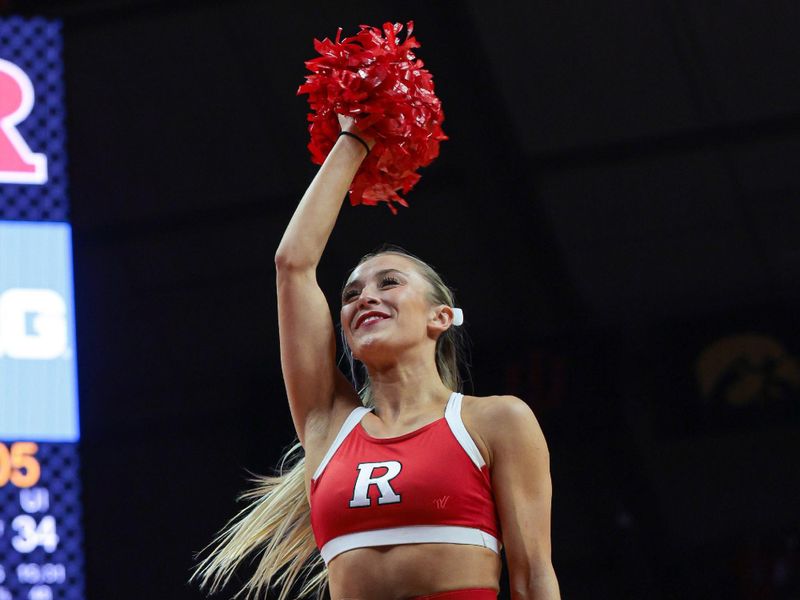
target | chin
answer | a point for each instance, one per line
(371, 348)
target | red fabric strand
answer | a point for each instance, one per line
(376, 79)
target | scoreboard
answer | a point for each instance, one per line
(40, 513)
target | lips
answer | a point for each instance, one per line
(373, 314)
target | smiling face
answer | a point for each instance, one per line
(387, 306)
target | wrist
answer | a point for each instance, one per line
(356, 139)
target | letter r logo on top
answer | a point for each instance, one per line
(17, 163)
(366, 479)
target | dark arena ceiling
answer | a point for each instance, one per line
(610, 162)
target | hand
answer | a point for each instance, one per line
(349, 124)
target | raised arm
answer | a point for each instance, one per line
(307, 338)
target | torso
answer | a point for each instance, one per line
(403, 571)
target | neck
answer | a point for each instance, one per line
(407, 388)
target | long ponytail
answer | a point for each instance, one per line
(275, 525)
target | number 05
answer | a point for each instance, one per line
(19, 465)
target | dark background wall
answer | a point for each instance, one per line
(617, 207)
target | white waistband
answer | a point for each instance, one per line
(412, 534)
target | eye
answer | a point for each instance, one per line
(349, 294)
(389, 280)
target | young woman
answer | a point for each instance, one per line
(413, 488)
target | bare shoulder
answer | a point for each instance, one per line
(498, 422)
(496, 412)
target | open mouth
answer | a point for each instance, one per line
(369, 318)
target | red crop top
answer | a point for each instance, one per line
(428, 486)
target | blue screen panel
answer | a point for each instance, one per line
(40, 522)
(38, 376)
(33, 160)
(40, 512)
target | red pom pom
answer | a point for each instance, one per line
(378, 81)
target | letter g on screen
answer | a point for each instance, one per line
(33, 324)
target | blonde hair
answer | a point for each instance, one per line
(275, 525)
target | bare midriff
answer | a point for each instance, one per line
(408, 570)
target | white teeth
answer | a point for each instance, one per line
(370, 319)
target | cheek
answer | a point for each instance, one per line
(345, 316)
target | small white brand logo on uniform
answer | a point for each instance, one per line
(441, 502)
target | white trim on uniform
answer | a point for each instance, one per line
(453, 415)
(353, 419)
(411, 534)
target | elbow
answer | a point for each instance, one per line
(288, 262)
(282, 260)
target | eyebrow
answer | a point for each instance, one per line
(380, 273)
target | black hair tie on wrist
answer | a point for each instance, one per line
(353, 135)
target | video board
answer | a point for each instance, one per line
(40, 513)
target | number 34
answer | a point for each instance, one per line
(19, 465)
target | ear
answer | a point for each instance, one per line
(440, 320)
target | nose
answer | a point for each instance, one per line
(366, 298)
